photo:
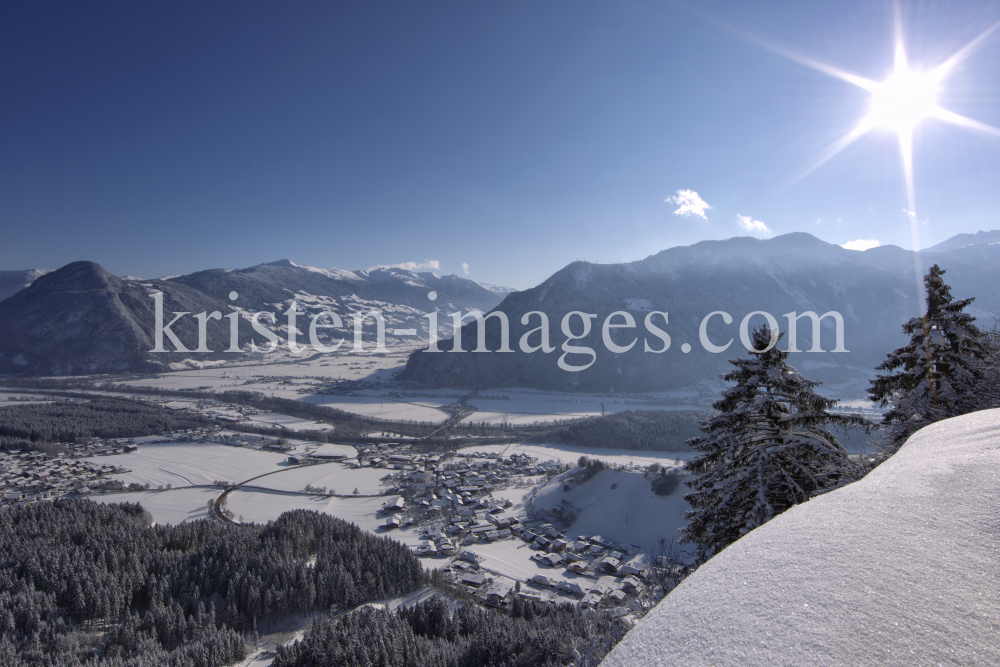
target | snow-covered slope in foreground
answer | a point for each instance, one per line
(901, 568)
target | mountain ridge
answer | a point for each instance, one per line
(12, 282)
(962, 240)
(874, 293)
(82, 319)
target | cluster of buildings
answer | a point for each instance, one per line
(251, 441)
(100, 447)
(601, 586)
(436, 545)
(619, 570)
(475, 520)
(231, 412)
(455, 497)
(189, 435)
(32, 476)
(607, 591)
(455, 494)
(379, 456)
(459, 473)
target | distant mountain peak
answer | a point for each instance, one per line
(962, 240)
(497, 289)
(12, 282)
(78, 276)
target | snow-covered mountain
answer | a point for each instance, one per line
(875, 291)
(399, 294)
(963, 240)
(273, 284)
(898, 569)
(12, 282)
(82, 319)
(499, 289)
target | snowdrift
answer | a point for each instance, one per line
(901, 568)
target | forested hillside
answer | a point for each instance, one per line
(26, 425)
(81, 579)
(656, 430)
(428, 635)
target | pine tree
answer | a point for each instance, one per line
(936, 374)
(768, 449)
(988, 394)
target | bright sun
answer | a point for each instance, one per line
(900, 102)
(903, 100)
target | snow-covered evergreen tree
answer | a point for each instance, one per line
(768, 449)
(988, 393)
(936, 375)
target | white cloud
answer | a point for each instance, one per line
(465, 268)
(912, 215)
(862, 244)
(751, 225)
(689, 203)
(429, 265)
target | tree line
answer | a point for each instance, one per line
(652, 430)
(27, 425)
(430, 634)
(185, 595)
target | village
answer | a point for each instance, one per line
(467, 514)
(451, 502)
(27, 477)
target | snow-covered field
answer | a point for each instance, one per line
(900, 568)
(382, 408)
(620, 506)
(524, 406)
(332, 476)
(283, 374)
(302, 378)
(167, 507)
(347, 366)
(568, 454)
(286, 421)
(187, 464)
(262, 506)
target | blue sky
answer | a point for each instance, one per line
(508, 137)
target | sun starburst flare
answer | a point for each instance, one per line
(899, 103)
